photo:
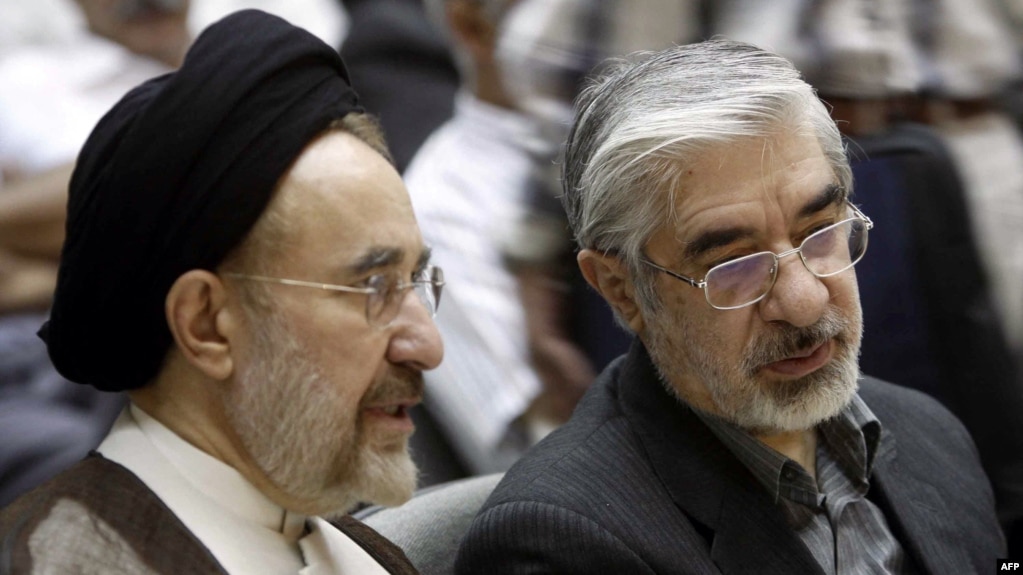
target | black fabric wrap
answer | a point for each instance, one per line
(173, 177)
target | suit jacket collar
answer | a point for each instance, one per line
(747, 532)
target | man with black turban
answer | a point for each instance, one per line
(240, 258)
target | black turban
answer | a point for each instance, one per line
(173, 177)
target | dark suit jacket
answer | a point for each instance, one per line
(97, 497)
(635, 483)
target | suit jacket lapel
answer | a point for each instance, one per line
(746, 530)
(913, 510)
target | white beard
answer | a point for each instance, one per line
(287, 416)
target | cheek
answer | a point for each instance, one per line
(845, 293)
(732, 332)
(715, 333)
(351, 365)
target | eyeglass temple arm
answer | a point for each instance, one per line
(300, 283)
(861, 215)
(695, 283)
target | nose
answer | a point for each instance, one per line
(415, 341)
(798, 297)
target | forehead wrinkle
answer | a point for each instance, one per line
(767, 156)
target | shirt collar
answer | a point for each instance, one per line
(853, 437)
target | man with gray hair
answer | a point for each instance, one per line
(709, 192)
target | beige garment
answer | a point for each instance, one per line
(325, 553)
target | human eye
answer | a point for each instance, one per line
(380, 283)
(726, 256)
(823, 227)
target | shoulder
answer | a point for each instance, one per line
(534, 536)
(97, 513)
(932, 462)
(595, 445)
(929, 443)
(914, 418)
(585, 500)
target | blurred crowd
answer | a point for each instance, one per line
(475, 97)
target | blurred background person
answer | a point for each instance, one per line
(467, 184)
(403, 67)
(56, 86)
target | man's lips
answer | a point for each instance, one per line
(803, 362)
(393, 413)
(393, 407)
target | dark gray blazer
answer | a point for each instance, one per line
(635, 483)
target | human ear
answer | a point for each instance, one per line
(609, 276)
(201, 322)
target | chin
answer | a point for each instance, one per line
(385, 476)
(801, 404)
(375, 476)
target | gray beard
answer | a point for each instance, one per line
(738, 395)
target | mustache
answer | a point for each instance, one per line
(788, 340)
(399, 384)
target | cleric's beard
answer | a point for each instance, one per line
(287, 415)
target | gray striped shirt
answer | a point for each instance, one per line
(846, 533)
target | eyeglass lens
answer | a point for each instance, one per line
(825, 253)
(383, 305)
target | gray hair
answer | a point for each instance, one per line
(638, 124)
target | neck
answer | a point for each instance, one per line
(185, 403)
(799, 446)
(489, 86)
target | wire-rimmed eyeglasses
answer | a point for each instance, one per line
(384, 292)
(745, 281)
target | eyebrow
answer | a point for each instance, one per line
(424, 258)
(707, 241)
(379, 257)
(831, 195)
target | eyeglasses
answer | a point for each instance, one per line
(385, 292)
(747, 280)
